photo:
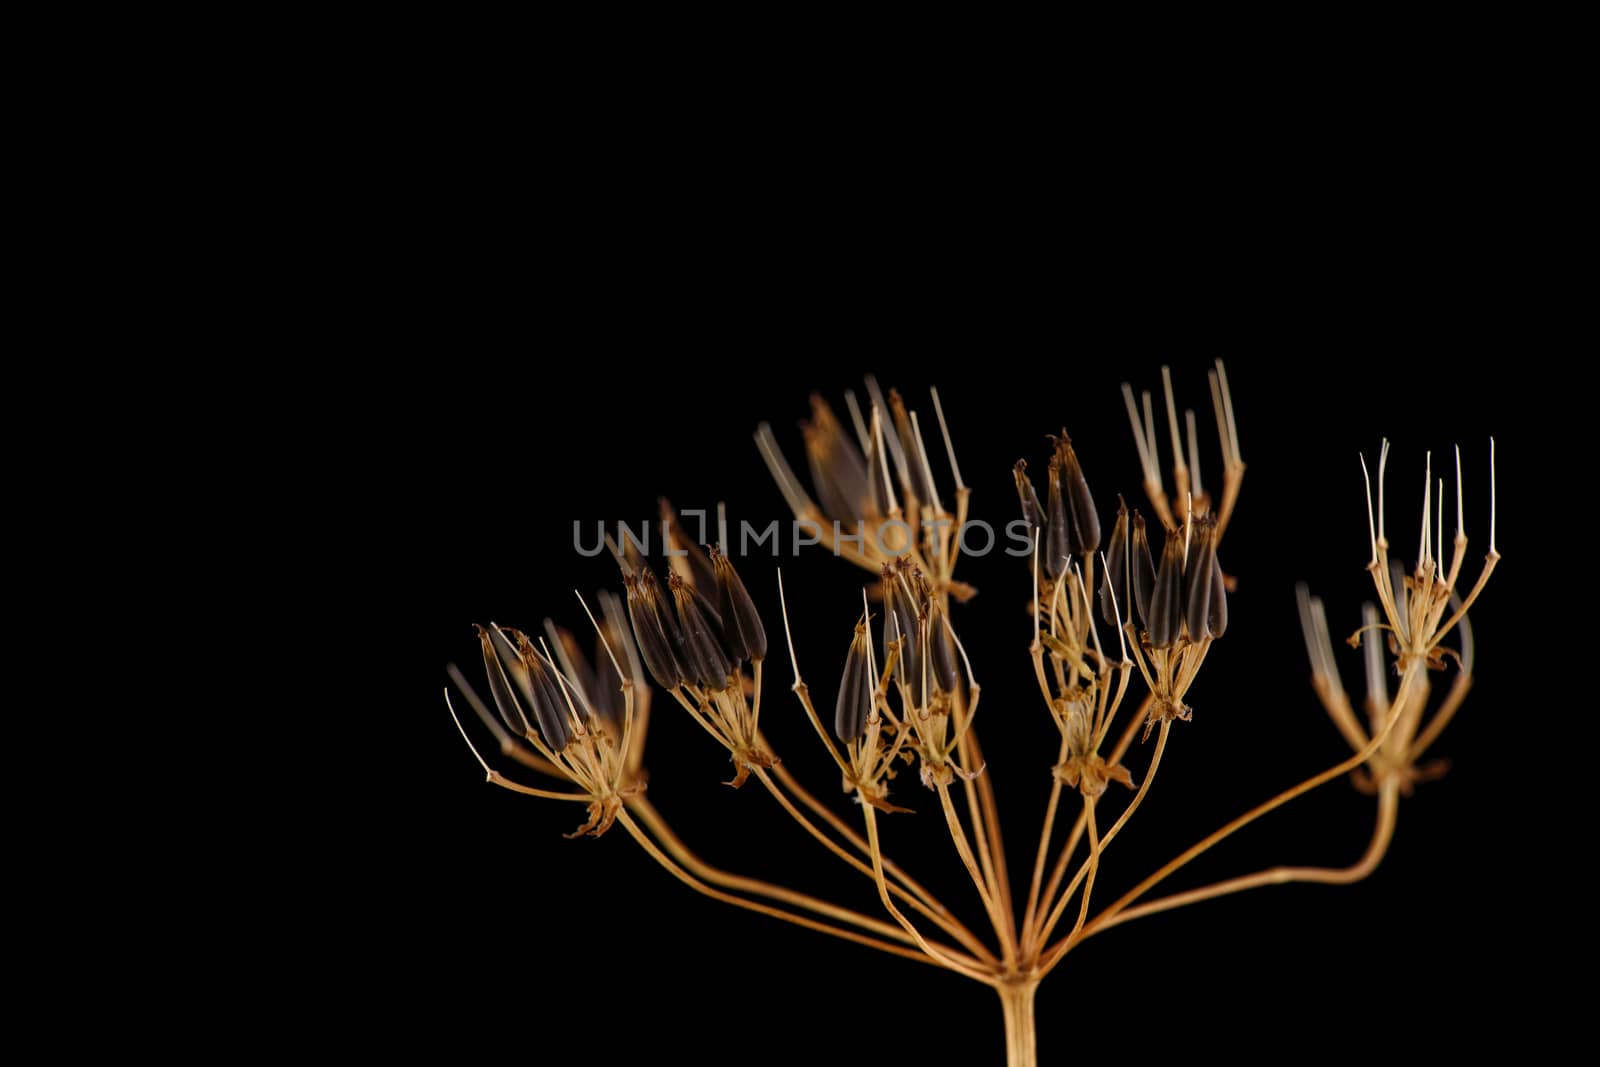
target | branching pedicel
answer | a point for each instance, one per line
(912, 695)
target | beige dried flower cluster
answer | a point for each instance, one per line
(1107, 614)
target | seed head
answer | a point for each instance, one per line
(900, 623)
(1143, 571)
(1031, 511)
(1114, 584)
(743, 635)
(495, 646)
(1166, 599)
(550, 708)
(653, 629)
(855, 690)
(704, 656)
(1200, 580)
(1056, 545)
(941, 650)
(687, 557)
(1083, 537)
(839, 472)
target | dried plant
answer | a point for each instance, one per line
(910, 694)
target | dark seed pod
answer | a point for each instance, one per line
(707, 662)
(743, 635)
(657, 645)
(576, 664)
(708, 607)
(855, 690)
(1143, 571)
(838, 470)
(1084, 537)
(607, 697)
(1166, 600)
(835, 501)
(505, 702)
(1055, 548)
(908, 444)
(1031, 511)
(550, 707)
(941, 651)
(1201, 566)
(1217, 616)
(900, 621)
(1115, 581)
(692, 555)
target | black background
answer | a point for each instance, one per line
(503, 932)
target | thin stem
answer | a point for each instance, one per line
(844, 830)
(1412, 674)
(1051, 957)
(751, 905)
(1441, 719)
(1117, 753)
(496, 778)
(1094, 867)
(958, 834)
(701, 869)
(945, 922)
(989, 841)
(1382, 833)
(755, 710)
(954, 961)
(1043, 854)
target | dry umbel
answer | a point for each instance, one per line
(1108, 617)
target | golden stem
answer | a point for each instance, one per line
(1127, 813)
(751, 905)
(1044, 849)
(1412, 673)
(1094, 867)
(958, 834)
(954, 961)
(1016, 1001)
(701, 869)
(1447, 710)
(1383, 831)
(992, 847)
(789, 782)
(505, 783)
(944, 922)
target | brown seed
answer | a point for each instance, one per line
(579, 673)
(1084, 537)
(704, 656)
(505, 702)
(1217, 616)
(1166, 599)
(855, 690)
(838, 471)
(742, 632)
(550, 708)
(1031, 511)
(1055, 548)
(693, 556)
(1198, 578)
(708, 607)
(900, 621)
(941, 651)
(1143, 571)
(1115, 581)
(908, 445)
(657, 645)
